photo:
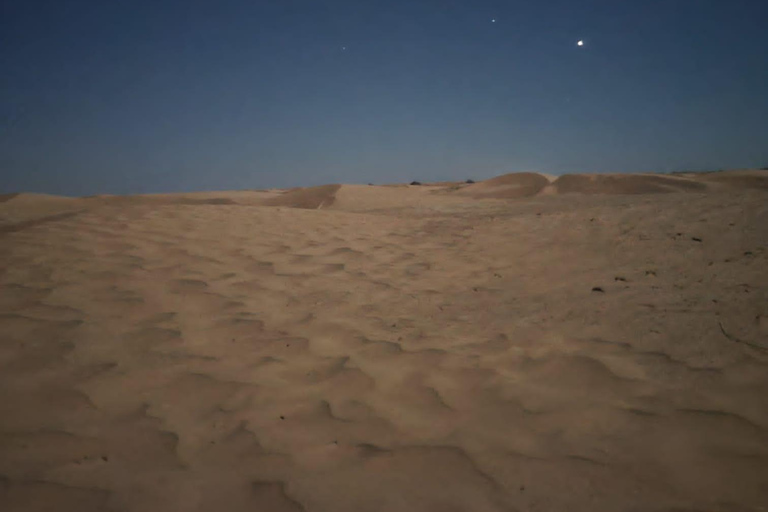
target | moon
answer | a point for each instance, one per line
(580, 43)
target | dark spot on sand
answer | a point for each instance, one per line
(597, 289)
(696, 239)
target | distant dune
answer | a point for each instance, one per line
(517, 185)
(586, 343)
(524, 184)
(25, 208)
(307, 198)
(624, 184)
(741, 179)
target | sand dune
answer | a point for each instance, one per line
(526, 184)
(308, 198)
(599, 347)
(755, 179)
(523, 184)
(31, 208)
(625, 184)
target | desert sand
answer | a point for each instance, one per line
(585, 343)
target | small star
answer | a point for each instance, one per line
(493, 20)
(343, 47)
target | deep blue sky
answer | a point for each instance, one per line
(129, 96)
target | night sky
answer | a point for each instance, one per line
(140, 96)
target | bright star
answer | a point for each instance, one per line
(580, 43)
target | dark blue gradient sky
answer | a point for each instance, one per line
(152, 96)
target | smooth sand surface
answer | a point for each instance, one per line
(592, 347)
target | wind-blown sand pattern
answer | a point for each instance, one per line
(586, 345)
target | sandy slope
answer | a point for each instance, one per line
(400, 348)
(18, 211)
